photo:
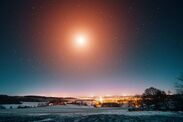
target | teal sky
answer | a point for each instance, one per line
(135, 44)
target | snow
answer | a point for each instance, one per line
(86, 113)
(30, 104)
(8, 106)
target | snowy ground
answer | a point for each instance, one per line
(30, 104)
(73, 113)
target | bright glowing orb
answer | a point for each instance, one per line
(81, 40)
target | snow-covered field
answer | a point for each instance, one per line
(29, 104)
(73, 113)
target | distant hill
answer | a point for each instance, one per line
(5, 99)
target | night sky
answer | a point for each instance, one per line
(131, 45)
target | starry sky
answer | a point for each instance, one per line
(132, 45)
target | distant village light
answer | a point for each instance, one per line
(101, 99)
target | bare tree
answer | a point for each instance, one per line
(153, 96)
(179, 85)
(169, 92)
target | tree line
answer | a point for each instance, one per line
(156, 99)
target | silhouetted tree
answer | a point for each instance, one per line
(169, 92)
(179, 96)
(153, 97)
(179, 85)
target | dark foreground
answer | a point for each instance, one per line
(89, 118)
(73, 113)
